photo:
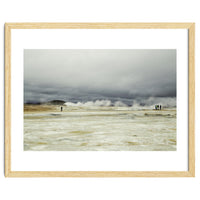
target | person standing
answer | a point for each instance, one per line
(61, 109)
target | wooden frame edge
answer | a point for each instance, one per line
(98, 25)
(191, 143)
(7, 114)
(191, 103)
(99, 174)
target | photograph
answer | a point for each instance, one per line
(100, 100)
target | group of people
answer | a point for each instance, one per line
(158, 107)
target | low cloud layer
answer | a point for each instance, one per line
(88, 75)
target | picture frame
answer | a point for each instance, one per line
(190, 27)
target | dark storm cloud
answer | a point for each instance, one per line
(98, 74)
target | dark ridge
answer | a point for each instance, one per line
(56, 102)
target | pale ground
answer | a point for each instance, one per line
(46, 128)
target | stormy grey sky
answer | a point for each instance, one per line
(82, 75)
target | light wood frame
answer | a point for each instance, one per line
(191, 95)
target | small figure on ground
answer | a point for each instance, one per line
(157, 107)
(61, 109)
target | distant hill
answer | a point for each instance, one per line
(53, 102)
(56, 102)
